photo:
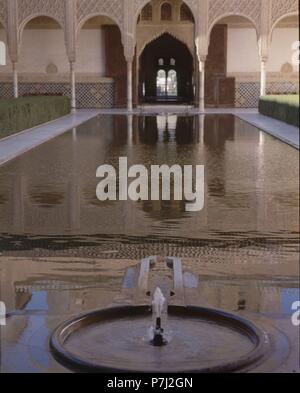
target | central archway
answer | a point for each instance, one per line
(166, 72)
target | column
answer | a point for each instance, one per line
(202, 85)
(263, 77)
(129, 85)
(15, 80)
(73, 86)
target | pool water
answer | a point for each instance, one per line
(62, 251)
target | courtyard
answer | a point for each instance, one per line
(160, 83)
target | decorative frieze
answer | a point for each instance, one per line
(193, 4)
(28, 9)
(280, 8)
(206, 14)
(111, 8)
(3, 13)
(250, 9)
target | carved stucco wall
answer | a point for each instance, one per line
(125, 12)
(111, 8)
(139, 4)
(183, 34)
(250, 9)
(28, 9)
(3, 13)
(280, 8)
(151, 30)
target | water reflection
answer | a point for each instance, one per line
(68, 251)
(51, 190)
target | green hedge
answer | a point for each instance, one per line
(281, 107)
(25, 112)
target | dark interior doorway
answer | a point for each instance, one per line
(166, 72)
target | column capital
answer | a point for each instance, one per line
(128, 33)
(202, 58)
(264, 59)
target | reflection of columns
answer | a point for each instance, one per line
(129, 130)
(263, 77)
(74, 188)
(18, 207)
(129, 85)
(202, 84)
(74, 204)
(201, 129)
(74, 135)
(73, 85)
(15, 80)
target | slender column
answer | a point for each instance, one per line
(202, 85)
(15, 80)
(73, 85)
(129, 85)
(263, 77)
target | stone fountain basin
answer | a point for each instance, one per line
(116, 340)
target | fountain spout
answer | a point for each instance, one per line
(159, 305)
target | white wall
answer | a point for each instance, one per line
(39, 48)
(91, 52)
(243, 50)
(281, 48)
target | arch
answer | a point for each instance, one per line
(296, 14)
(32, 17)
(217, 20)
(166, 11)
(83, 21)
(39, 54)
(283, 43)
(168, 47)
(161, 33)
(186, 13)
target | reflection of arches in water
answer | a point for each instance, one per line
(148, 132)
(120, 131)
(185, 131)
(165, 210)
(182, 130)
(219, 130)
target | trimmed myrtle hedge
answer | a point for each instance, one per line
(281, 107)
(25, 112)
